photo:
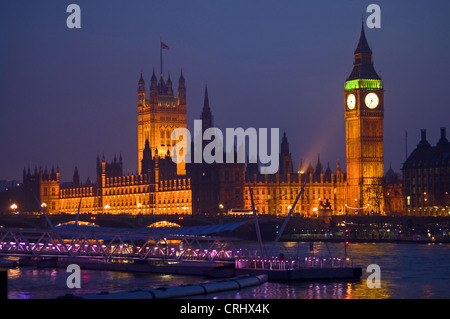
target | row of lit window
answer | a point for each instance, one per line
(181, 183)
(127, 190)
(291, 191)
(146, 202)
(77, 192)
(133, 203)
(279, 208)
(168, 118)
(167, 104)
(74, 206)
(173, 201)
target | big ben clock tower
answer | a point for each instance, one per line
(364, 112)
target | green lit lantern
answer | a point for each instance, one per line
(366, 84)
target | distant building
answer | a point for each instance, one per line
(393, 193)
(426, 178)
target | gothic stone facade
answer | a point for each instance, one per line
(162, 187)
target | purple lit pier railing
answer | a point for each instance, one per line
(291, 263)
(110, 245)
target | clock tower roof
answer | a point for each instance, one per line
(363, 45)
(363, 64)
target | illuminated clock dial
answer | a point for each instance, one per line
(371, 100)
(351, 101)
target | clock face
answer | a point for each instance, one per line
(351, 101)
(371, 100)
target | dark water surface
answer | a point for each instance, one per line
(407, 271)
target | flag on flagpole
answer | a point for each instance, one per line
(163, 46)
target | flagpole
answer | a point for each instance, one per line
(160, 50)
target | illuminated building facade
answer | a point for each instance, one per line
(160, 186)
(163, 187)
(275, 194)
(158, 191)
(159, 115)
(359, 191)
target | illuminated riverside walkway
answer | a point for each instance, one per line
(187, 243)
(184, 250)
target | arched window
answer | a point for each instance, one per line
(162, 137)
(168, 134)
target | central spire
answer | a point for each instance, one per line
(363, 46)
(363, 64)
(206, 117)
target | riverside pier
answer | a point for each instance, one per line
(184, 250)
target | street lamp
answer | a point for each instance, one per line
(14, 207)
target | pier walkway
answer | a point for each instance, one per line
(187, 243)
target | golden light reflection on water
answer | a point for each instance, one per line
(345, 290)
(361, 291)
(14, 273)
(290, 244)
(311, 290)
(427, 292)
(361, 255)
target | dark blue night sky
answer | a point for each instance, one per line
(69, 95)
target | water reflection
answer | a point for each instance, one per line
(14, 273)
(361, 291)
(305, 290)
(335, 290)
(45, 283)
(407, 271)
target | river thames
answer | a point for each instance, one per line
(408, 270)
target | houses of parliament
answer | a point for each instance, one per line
(163, 187)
